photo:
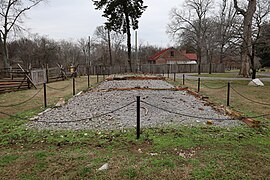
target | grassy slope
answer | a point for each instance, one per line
(204, 152)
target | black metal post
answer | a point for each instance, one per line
(74, 91)
(88, 80)
(138, 117)
(45, 94)
(183, 79)
(168, 73)
(199, 84)
(163, 73)
(174, 76)
(228, 94)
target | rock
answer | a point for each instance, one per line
(79, 93)
(209, 122)
(140, 151)
(153, 154)
(60, 103)
(104, 167)
(256, 82)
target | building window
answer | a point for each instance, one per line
(172, 53)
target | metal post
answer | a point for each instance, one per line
(138, 117)
(168, 73)
(88, 80)
(174, 76)
(45, 94)
(163, 73)
(228, 94)
(199, 84)
(74, 86)
(183, 79)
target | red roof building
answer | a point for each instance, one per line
(173, 56)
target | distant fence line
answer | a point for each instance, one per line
(39, 76)
(152, 68)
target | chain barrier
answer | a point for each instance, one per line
(186, 115)
(191, 80)
(13, 116)
(249, 98)
(23, 102)
(214, 87)
(58, 89)
(89, 118)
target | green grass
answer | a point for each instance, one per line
(203, 152)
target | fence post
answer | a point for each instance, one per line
(138, 117)
(97, 78)
(199, 84)
(45, 94)
(168, 73)
(74, 86)
(174, 76)
(163, 73)
(228, 94)
(183, 79)
(88, 80)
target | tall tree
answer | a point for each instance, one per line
(247, 14)
(261, 15)
(192, 19)
(11, 12)
(121, 16)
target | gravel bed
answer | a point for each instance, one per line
(159, 84)
(86, 110)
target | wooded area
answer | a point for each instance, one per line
(212, 30)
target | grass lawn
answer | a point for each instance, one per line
(177, 152)
(218, 95)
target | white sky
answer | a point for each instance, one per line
(75, 19)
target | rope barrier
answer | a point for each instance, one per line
(249, 98)
(23, 102)
(186, 115)
(89, 118)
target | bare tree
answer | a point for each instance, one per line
(11, 12)
(247, 14)
(226, 23)
(260, 16)
(191, 19)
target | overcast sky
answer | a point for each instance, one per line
(75, 19)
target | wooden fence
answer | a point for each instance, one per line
(13, 80)
(152, 68)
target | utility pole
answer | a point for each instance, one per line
(89, 54)
(136, 51)
(110, 49)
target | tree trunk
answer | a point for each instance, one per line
(128, 42)
(247, 35)
(110, 49)
(4, 48)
